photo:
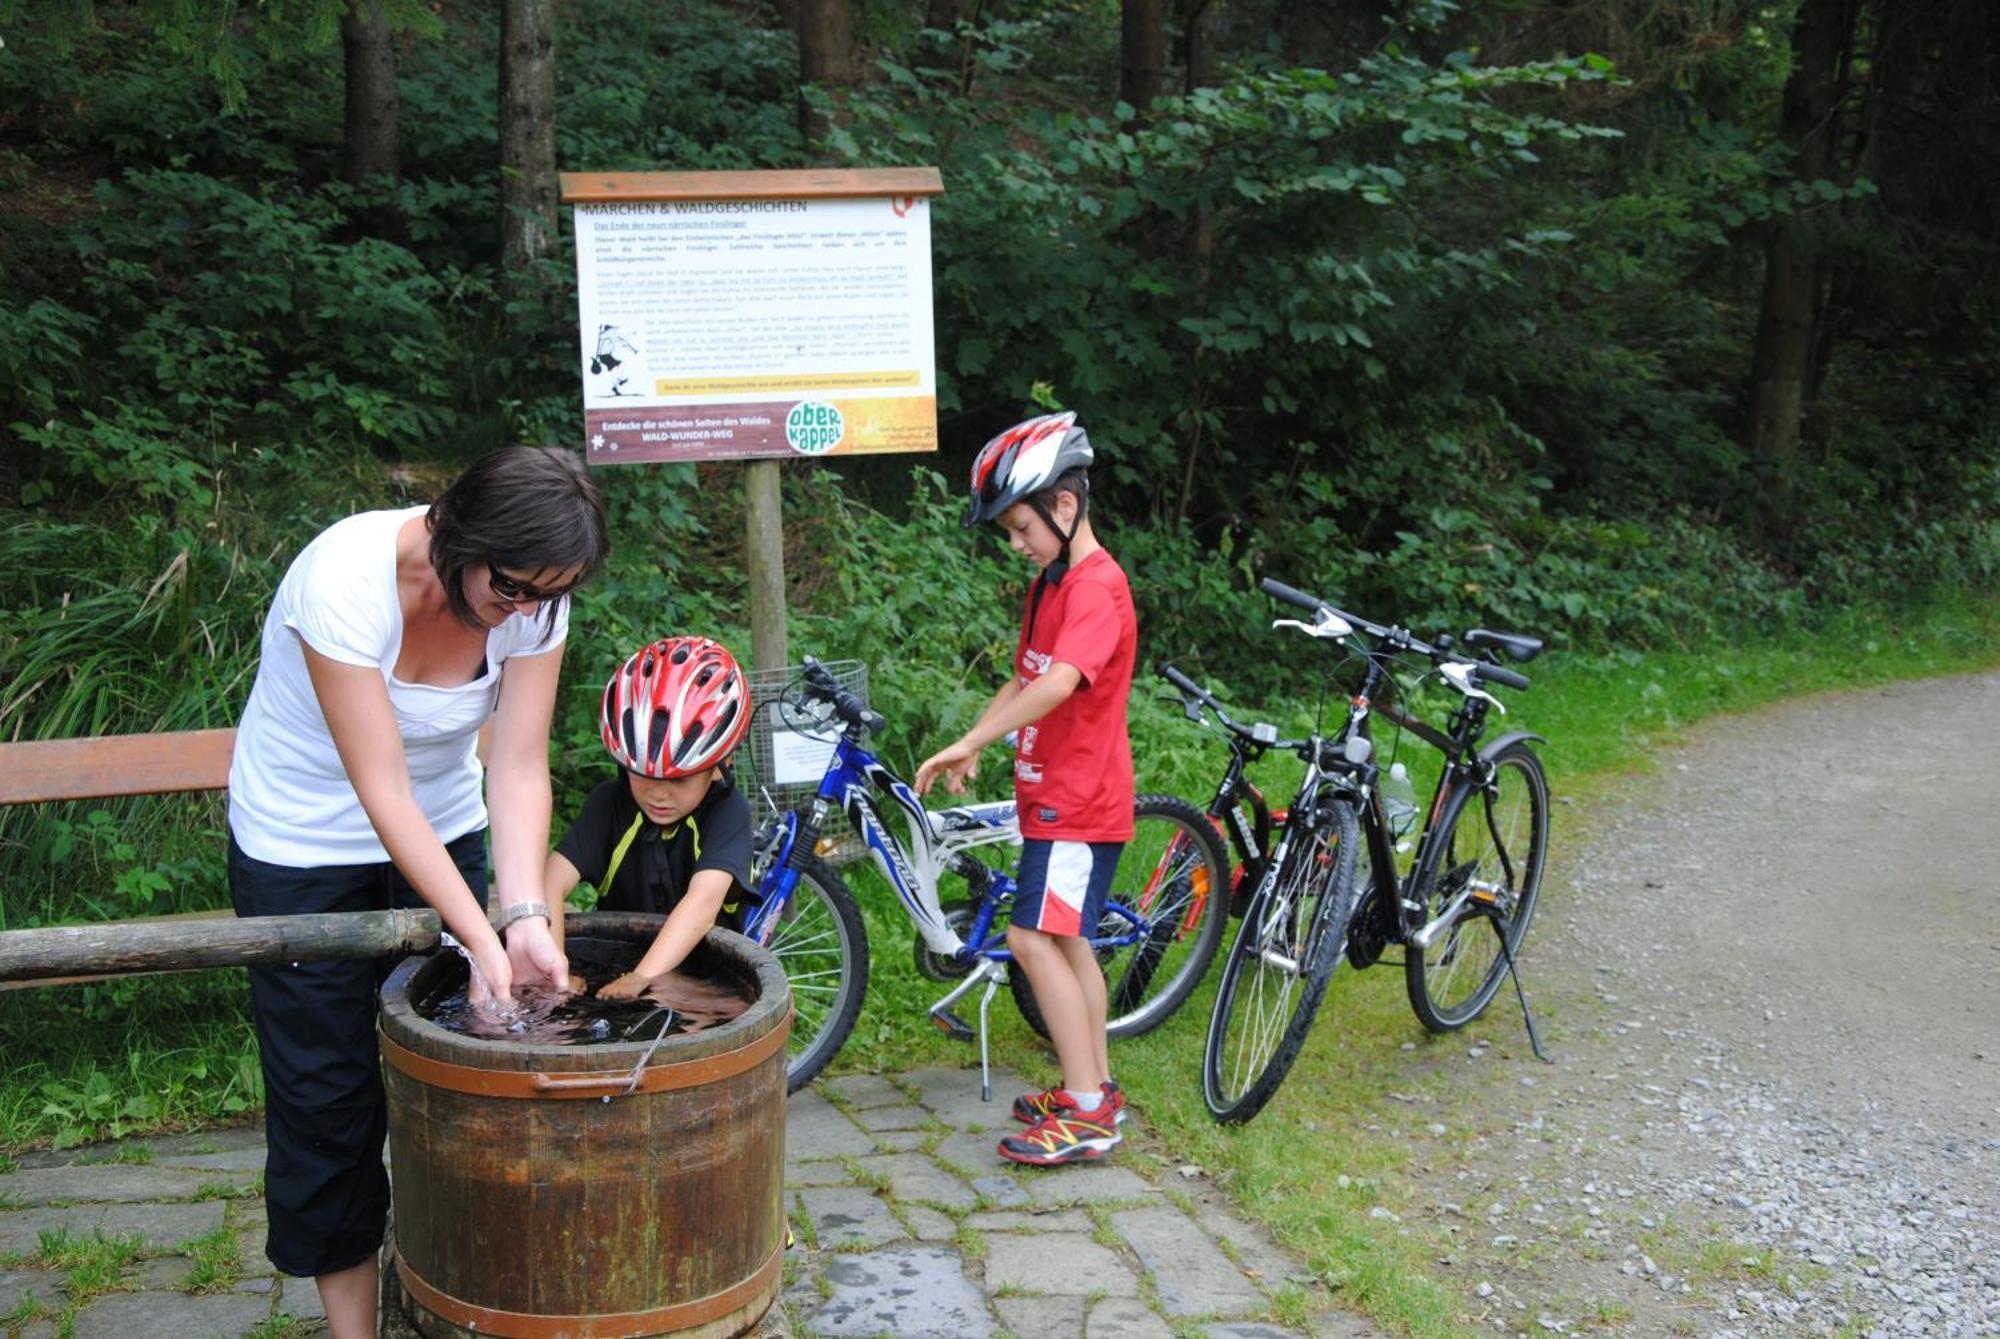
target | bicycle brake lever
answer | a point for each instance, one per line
(1325, 626)
(1460, 675)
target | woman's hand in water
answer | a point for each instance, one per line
(493, 975)
(532, 950)
(627, 987)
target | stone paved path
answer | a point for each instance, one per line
(908, 1224)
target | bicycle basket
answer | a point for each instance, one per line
(787, 754)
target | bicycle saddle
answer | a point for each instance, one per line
(1516, 645)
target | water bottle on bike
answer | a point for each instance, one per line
(1399, 802)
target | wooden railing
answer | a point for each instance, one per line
(191, 761)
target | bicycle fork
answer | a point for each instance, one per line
(992, 973)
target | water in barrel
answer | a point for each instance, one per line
(684, 1000)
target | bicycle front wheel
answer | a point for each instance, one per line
(1287, 947)
(1492, 845)
(1175, 875)
(821, 944)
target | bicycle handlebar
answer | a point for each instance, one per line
(820, 683)
(1260, 736)
(1181, 681)
(1398, 638)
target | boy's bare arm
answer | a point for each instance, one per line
(693, 917)
(959, 762)
(1008, 691)
(559, 880)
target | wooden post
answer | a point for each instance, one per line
(764, 536)
(80, 952)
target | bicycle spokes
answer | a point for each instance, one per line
(1178, 890)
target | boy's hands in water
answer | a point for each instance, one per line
(627, 987)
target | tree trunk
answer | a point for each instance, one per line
(1200, 20)
(370, 144)
(1821, 35)
(826, 56)
(1142, 52)
(943, 14)
(528, 188)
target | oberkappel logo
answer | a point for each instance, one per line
(814, 427)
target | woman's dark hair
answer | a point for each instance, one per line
(521, 507)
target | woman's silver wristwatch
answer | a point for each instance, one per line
(521, 911)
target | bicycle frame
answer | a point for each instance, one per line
(1463, 766)
(937, 842)
(1249, 835)
(1336, 758)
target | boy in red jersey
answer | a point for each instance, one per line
(1072, 766)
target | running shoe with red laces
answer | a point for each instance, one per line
(1066, 1134)
(1029, 1108)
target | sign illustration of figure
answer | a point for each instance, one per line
(616, 361)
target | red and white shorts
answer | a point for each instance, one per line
(1062, 885)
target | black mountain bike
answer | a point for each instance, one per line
(1327, 886)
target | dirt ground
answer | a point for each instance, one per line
(1770, 973)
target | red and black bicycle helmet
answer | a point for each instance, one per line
(677, 707)
(1022, 461)
(1019, 464)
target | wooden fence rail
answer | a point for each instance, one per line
(117, 948)
(114, 766)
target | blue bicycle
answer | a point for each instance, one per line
(1162, 924)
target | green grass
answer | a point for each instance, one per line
(178, 1056)
(29, 1307)
(228, 1190)
(91, 1264)
(218, 1257)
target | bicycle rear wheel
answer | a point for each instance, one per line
(1494, 842)
(1175, 874)
(821, 943)
(1287, 947)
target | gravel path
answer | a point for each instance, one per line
(1772, 978)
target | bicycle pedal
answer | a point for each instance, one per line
(952, 1025)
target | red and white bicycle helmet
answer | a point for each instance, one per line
(677, 707)
(1021, 462)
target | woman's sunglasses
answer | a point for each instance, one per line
(519, 592)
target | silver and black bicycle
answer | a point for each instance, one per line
(1328, 887)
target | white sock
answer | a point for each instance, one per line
(1086, 1102)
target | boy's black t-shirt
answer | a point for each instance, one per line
(659, 862)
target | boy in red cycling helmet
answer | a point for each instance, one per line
(1072, 767)
(672, 835)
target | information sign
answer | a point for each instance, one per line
(731, 328)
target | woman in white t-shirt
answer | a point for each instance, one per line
(394, 638)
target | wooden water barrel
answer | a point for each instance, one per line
(535, 1196)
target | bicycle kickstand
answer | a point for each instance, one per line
(955, 1027)
(1527, 1015)
(985, 1066)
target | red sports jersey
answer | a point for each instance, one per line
(1073, 767)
